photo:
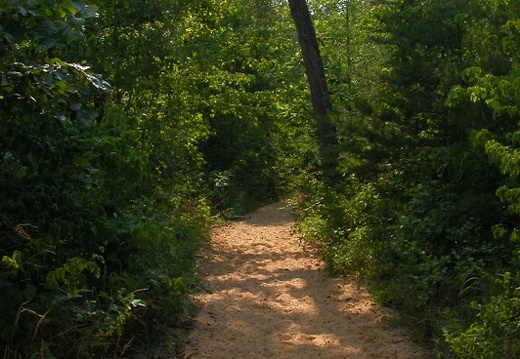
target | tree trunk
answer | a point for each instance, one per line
(326, 131)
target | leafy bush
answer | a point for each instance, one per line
(424, 149)
(98, 240)
(494, 333)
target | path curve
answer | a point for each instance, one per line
(272, 299)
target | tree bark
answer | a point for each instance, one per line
(322, 105)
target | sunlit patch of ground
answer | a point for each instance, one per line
(271, 299)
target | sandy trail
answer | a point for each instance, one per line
(272, 299)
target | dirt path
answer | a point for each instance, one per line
(272, 299)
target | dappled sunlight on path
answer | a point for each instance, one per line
(272, 299)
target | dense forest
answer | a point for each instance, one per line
(128, 126)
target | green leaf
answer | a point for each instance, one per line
(23, 10)
(498, 232)
(86, 11)
(86, 115)
(46, 32)
(98, 82)
(94, 79)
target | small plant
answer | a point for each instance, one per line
(494, 333)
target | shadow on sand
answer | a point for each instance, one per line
(271, 299)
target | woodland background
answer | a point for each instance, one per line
(127, 125)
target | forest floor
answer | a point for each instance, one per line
(271, 298)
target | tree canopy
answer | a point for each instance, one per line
(129, 126)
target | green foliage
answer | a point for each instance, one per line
(494, 334)
(82, 173)
(106, 189)
(427, 98)
(108, 180)
(244, 103)
(492, 82)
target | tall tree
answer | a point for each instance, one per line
(326, 131)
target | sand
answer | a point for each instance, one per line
(272, 298)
